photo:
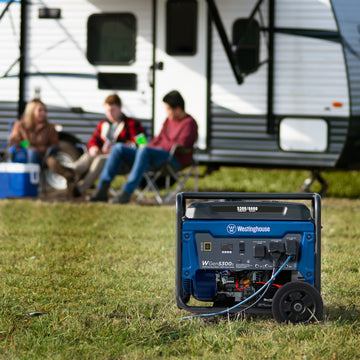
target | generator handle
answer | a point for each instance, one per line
(315, 208)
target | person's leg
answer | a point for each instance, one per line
(94, 172)
(56, 167)
(120, 154)
(82, 165)
(146, 157)
(33, 157)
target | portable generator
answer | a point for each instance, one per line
(249, 252)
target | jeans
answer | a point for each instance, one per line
(34, 157)
(140, 159)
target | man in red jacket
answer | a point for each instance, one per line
(115, 128)
(178, 129)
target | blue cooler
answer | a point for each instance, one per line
(18, 154)
(19, 180)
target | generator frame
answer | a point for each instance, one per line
(181, 206)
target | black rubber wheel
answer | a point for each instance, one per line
(297, 302)
(67, 154)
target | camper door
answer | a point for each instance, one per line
(181, 59)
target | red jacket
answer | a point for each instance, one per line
(125, 132)
(174, 132)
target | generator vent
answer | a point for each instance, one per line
(187, 284)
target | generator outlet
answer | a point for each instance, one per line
(276, 249)
(292, 248)
(259, 251)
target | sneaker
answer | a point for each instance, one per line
(122, 198)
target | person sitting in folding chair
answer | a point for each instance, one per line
(117, 127)
(179, 128)
(41, 140)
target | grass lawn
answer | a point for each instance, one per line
(96, 281)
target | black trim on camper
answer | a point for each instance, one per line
(270, 82)
(22, 69)
(215, 16)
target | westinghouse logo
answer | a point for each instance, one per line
(232, 229)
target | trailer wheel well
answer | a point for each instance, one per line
(66, 137)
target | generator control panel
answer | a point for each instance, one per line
(246, 253)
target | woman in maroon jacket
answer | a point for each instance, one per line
(115, 128)
(178, 129)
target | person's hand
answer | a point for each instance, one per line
(106, 149)
(94, 150)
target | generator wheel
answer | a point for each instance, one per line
(67, 154)
(185, 298)
(297, 302)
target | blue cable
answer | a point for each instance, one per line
(244, 301)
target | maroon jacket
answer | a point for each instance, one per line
(182, 133)
(125, 132)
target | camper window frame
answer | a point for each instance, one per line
(94, 38)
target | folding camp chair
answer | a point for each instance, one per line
(175, 180)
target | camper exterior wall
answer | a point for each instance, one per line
(57, 62)
(309, 77)
(310, 74)
(251, 96)
(240, 124)
(9, 42)
(346, 14)
(349, 25)
(9, 68)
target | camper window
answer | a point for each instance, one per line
(181, 24)
(306, 135)
(246, 42)
(111, 39)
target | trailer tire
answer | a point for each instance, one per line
(297, 302)
(67, 154)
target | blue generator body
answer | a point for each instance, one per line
(230, 246)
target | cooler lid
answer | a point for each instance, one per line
(12, 167)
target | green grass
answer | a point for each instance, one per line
(104, 277)
(341, 184)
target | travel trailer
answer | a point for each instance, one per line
(271, 83)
